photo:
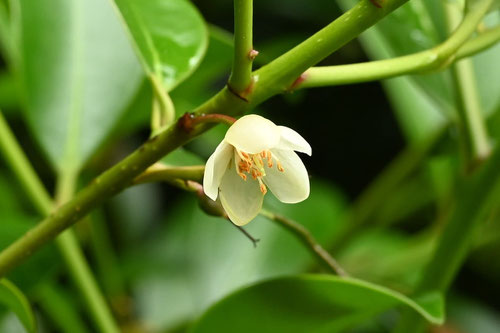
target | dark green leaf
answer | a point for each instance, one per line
(310, 303)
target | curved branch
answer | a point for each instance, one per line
(416, 63)
(274, 78)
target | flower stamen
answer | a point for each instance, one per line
(263, 187)
(280, 167)
(269, 159)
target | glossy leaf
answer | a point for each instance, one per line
(310, 303)
(78, 73)
(15, 301)
(170, 37)
(210, 76)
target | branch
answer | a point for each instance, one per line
(273, 78)
(279, 75)
(308, 240)
(241, 75)
(417, 63)
(161, 172)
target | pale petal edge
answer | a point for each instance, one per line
(242, 200)
(292, 185)
(291, 140)
(216, 166)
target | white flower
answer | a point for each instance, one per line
(256, 154)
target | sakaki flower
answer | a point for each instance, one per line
(256, 155)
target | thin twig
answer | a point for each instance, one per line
(308, 239)
(246, 233)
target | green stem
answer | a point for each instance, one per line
(66, 242)
(307, 239)
(471, 122)
(241, 74)
(161, 172)
(416, 63)
(22, 169)
(77, 264)
(480, 43)
(284, 72)
(106, 260)
(274, 78)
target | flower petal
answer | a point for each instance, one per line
(291, 185)
(293, 141)
(242, 200)
(215, 168)
(253, 134)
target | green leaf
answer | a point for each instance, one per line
(309, 303)
(387, 257)
(170, 37)
(15, 301)
(78, 73)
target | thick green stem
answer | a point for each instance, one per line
(418, 63)
(241, 74)
(273, 78)
(285, 72)
(66, 242)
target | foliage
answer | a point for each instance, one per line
(98, 97)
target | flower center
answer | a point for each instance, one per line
(253, 165)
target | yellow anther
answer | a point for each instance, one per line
(244, 166)
(263, 187)
(242, 175)
(263, 154)
(269, 159)
(280, 167)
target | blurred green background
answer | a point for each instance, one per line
(385, 166)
